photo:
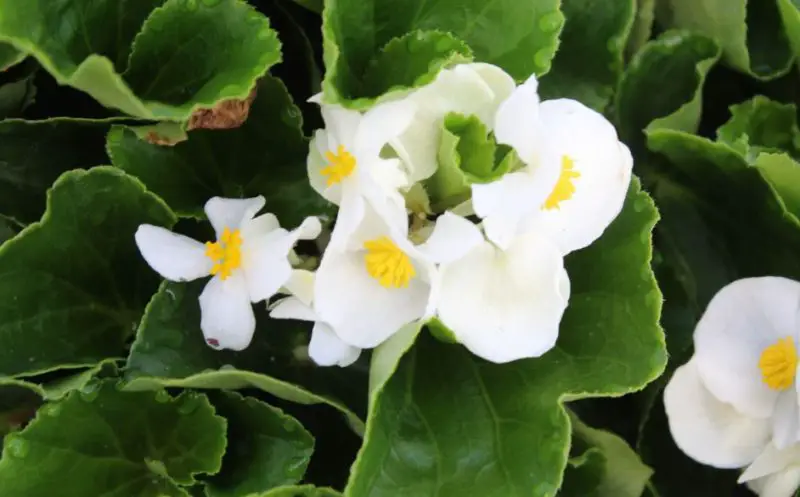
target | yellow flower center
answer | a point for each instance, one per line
(340, 165)
(226, 253)
(778, 364)
(387, 263)
(564, 187)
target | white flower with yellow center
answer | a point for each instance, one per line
(468, 89)
(576, 175)
(325, 347)
(378, 281)
(505, 304)
(249, 262)
(738, 393)
(345, 166)
(774, 473)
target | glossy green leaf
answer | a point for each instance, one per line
(170, 351)
(520, 37)
(412, 60)
(117, 444)
(16, 96)
(301, 491)
(447, 423)
(33, 154)
(783, 174)
(9, 56)
(642, 26)
(265, 156)
(610, 469)
(266, 447)
(760, 125)
(790, 14)
(645, 102)
(750, 32)
(57, 314)
(590, 57)
(143, 66)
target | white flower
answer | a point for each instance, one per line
(344, 163)
(505, 304)
(576, 176)
(378, 281)
(468, 89)
(738, 392)
(325, 347)
(774, 473)
(249, 263)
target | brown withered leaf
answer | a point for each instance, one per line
(227, 114)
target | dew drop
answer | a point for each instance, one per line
(542, 58)
(16, 447)
(188, 406)
(162, 397)
(52, 410)
(90, 391)
(289, 426)
(191, 4)
(551, 22)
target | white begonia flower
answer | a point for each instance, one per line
(345, 166)
(505, 304)
(248, 263)
(378, 281)
(738, 392)
(576, 175)
(774, 473)
(325, 347)
(468, 89)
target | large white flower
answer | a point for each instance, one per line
(576, 175)
(505, 304)
(774, 473)
(378, 281)
(738, 391)
(249, 263)
(469, 89)
(325, 347)
(345, 166)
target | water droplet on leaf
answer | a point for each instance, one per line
(90, 391)
(16, 447)
(542, 59)
(162, 397)
(551, 22)
(188, 406)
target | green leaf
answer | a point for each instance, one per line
(622, 473)
(301, 491)
(590, 58)
(467, 154)
(783, 174)
(143, 66)
(750, 32)
(266, 447)
(117, 444)
(17, 96)
(517, 439)
(642, 26)
(520, 37)
(35, 153)
(761, 124)
(169, 351)
(9, 56)
(19, 401)
(65, 315)
(265, 156)
(412, 60)
(645, 102)
(790, 14)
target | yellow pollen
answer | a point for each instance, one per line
(340, 165)
(387, 263)
(226, 253)
(564, 187)
(778, 364)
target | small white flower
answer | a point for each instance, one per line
(325, 347)
(774, 473)
(505, 304)
(344, 163)
(249, 263)
(468, 89)
(378, 281)
(738, 392)
(576, 176)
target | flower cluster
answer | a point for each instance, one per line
(735, 403)
(490, 271)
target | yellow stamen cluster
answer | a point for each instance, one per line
(387, 263)
(340, 165)
(564, 188)
(226, 253)
(778, 364)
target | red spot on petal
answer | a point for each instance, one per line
(213, 342)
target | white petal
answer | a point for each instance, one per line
(570, 129)
(381, 124)
(786, 420)
(501, 84)
(742, 320)
(351, 212)
(451, 239)
(231, 212)
(301, 285)
(771, 460)
(226, 315)
(507, 305)
(783, 484)
(292, 308)
(326, 349)
(707, 430)
(363, 312)
(260, 226)
(517, 121)
(316, 162)
(341, 126)
(173, 256)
